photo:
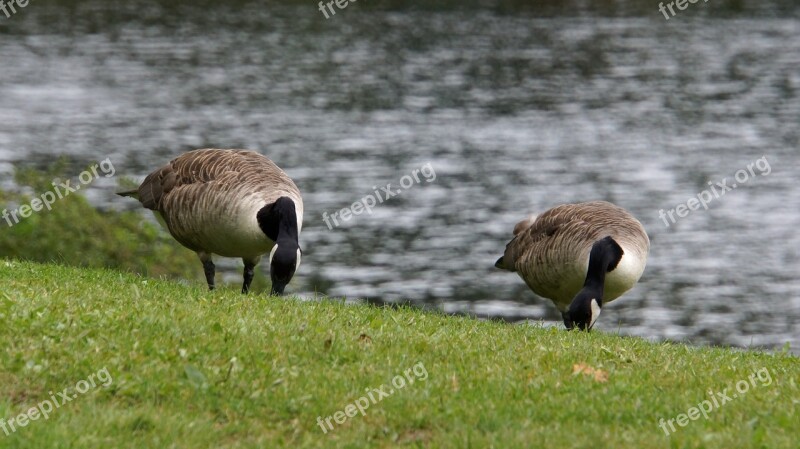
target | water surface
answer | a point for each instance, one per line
(515, 111)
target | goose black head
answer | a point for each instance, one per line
(279, 222)
(585, 307)
(283, 263)
(583, 311)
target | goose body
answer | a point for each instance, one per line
(231, 203)
(577, 254)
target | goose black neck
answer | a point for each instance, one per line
(604, 257)
(279, 221)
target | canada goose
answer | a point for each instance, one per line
(565, 253)
(232, 203)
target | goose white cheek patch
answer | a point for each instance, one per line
(272, 253)
(595, 313)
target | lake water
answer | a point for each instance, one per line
(515, 112)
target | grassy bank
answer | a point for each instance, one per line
(188, 368)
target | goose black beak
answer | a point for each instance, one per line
(568, 323)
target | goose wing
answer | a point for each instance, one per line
(551, 239)
(225, 169)
(213, 196)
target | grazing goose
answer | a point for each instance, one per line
(579, 256)
(232, 203)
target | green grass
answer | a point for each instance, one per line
(196, 369)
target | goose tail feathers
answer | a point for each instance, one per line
(130, 194)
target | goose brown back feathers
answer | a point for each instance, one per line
(191, 172)
(551, 252)
(209, 199)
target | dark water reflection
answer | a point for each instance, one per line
(516, 112)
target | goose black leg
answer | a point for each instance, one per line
(248, 276)
(208, 268)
